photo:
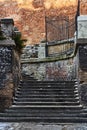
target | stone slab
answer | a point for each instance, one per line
(82, 27)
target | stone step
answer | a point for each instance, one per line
(46, 107)
(46, 89)
(47, 99)
(47, 103)
(47, 95)
(43, 114)
(50, 119)
(20, 94)
(43, 92)
(58, 110)
(47, 85)
(47, 82)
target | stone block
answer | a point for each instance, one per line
(7, 25)
(82, 27)
(42, 50)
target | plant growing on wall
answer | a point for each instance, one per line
(19, 42)
(1, 35)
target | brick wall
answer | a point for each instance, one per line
(29, 16)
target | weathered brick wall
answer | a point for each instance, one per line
(29, 15)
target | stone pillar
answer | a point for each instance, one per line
(82, 27)
(6, 58)
(6, 73)
(42, 50)
(7, 27)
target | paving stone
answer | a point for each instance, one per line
(33, 126)
(79, 127)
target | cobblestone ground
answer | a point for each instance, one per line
(32, 126)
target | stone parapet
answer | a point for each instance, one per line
(51, 69)
(82, 29)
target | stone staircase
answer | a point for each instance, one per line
(47, 102)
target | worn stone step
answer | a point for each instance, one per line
(46, 110)
(45, 119)
(47, 95)
(47, 89)
(43, 92)
(46, 107)
(47, 83)
(47, 99)
(43, 114)
(42, 103)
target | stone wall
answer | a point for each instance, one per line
(9, 72)
(16, 69)
(56, 70)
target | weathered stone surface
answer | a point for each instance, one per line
(82, 27)
(29, 126)
(59, 70)
(9, 72)
(7, 27)
(83, 94)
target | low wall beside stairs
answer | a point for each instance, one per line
(51, 70)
